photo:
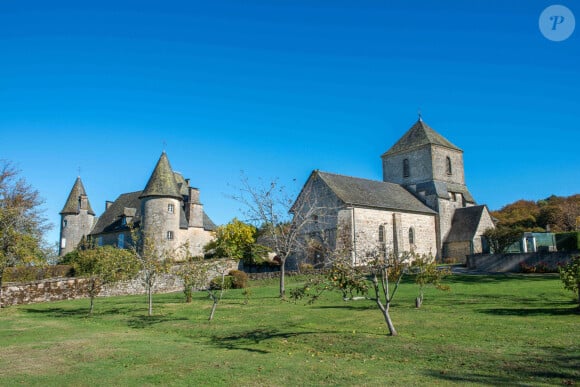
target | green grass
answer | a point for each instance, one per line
(504, 329)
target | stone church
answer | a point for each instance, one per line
(168, 211)
(422, 204)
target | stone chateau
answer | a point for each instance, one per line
(422, 204)
(168, 211)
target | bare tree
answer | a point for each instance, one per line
(22, 225)
(152, 262)
(281, 221)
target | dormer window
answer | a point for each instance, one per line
(171, 208)
(406, 172)
(448, 166)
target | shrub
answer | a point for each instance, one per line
(570, 276)
(239, 279)
(568, 241)
(305, 268)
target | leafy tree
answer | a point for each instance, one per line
(501, 238)
(22, 225)
(101, 266)
(570, 276)
(427, 273)
(233, 240)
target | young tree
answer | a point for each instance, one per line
(268, 208)
(570, 276)
(22, 225)
(427, 273)
(152, 263)
(101, 266)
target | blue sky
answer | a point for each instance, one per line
(279, 88)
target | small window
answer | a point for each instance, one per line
(169, 235)
(124, 221)
(63, 243)
(406, 172)
(448, 166)
(411, 236)
(381, 233)
(121, 241)
(453, 196)
(170, 208)
(64, 223)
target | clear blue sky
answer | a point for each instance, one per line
(279, 88)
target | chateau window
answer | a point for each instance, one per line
(64, 223)
(170, 208)
(123, 221)
(381, 233)
(411, 236)
(169, 235)
(63, 243)
(448, 166)
(406, 172)
(121, 241)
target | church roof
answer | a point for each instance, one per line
(72, 203)
(372, 193)
(464, 224)
(419, 135)
(162, 181)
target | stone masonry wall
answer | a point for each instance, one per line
(57, 289)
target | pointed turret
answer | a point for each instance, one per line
(162, 182)
(77, 200)
(77, 218)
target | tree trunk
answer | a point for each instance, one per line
(150, 299)
(213, 308)
(92, 305)
(392, 330)
(282, 276)
(1, 275)
(419, 301)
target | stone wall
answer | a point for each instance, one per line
(511, 262)
(57, 289)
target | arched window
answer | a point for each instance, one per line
(406, 172)
(411, 236)
(448, 166)
(381, 233)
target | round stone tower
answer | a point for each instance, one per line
(77, 218)
(161, 206)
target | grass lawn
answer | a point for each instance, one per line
(501, 329)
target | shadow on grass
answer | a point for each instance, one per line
(244, 340)
(140, 322)
(497, 277)
(555, 366)
(59, 312)
(548, 311)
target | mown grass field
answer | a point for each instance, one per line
(501, 329)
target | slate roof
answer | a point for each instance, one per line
(126, 204)
(464, 224)
(162, 182)
(372, 193)
(72, 203)
(129, 204)
(420, 134)
(442, 189)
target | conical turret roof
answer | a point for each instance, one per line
(72, 205)
(419, 135)
(162, 181)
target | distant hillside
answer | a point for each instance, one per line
(555, 213)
